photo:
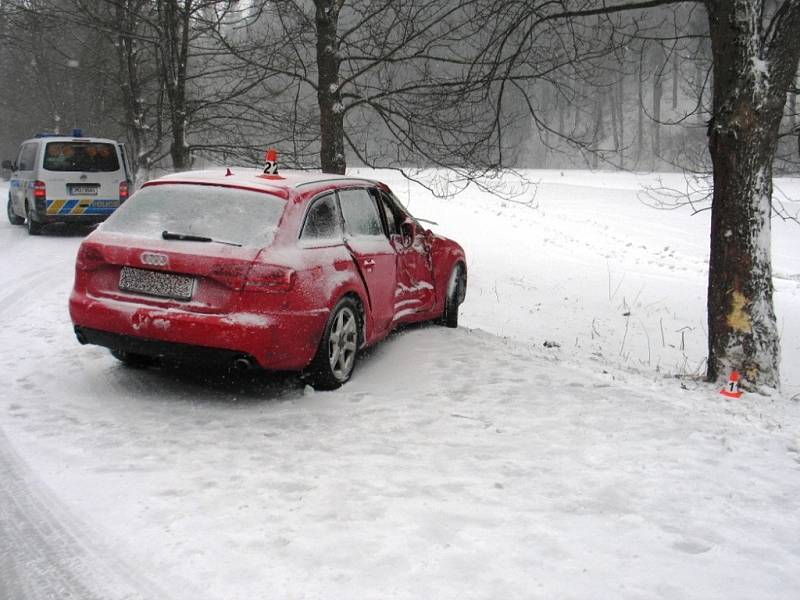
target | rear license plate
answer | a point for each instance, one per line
(105, 203)
(156, 283)
(86, 190)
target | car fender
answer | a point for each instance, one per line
(445, 254)
(354, 287)
(320, 283)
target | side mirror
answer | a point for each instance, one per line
(409, 229)
(400, 242)
(7, 164)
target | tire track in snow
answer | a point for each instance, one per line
(45, 555)
(25, 286)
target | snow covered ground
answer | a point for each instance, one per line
(469, 463)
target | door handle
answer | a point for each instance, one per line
(368, 262)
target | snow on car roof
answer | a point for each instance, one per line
(280, 184)
(53, 137)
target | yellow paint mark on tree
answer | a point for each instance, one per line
(738, 319)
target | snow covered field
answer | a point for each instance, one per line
(469, 463)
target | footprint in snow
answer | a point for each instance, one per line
(358, 397)
(691, 547)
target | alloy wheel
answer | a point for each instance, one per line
(343, 343)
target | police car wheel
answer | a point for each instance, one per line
(13, 217)
(34, 227)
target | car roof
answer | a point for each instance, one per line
(286, 184)
(70, 138)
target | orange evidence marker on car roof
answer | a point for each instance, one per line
(271, 164)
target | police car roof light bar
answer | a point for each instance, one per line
(76, 133)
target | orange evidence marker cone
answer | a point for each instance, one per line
(731, 389)
(271, 162)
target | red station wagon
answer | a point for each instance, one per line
(254, 270)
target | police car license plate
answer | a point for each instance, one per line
(105, 203)
(156, 283)
(86, 190)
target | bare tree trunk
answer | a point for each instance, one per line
(615, 123)
(751, 78)
(175, 22)
(658, 92)
(576, 121)
(129, 56)
(675, 75)
(599, 131)
(621, 119)
(551, 97)
(331, 109)
(640, 122)
(793, 106)
(700, 88)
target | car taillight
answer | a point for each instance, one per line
(123, 191)
(231, 275)
(89, 258)
(39, 190)
(269, 278)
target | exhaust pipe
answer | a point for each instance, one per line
(242, 364)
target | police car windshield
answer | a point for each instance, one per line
(203, 211)
(89, 157)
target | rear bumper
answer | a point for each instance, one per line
(69, 211)
(43, 218)
(158, 348)
(276, 341)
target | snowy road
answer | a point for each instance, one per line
(456, 464)
(48, 553)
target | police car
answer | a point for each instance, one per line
(67, 179)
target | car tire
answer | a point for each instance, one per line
(34, 227)
(454, 296)
(133, 360)
(13, 217)
(338, 349)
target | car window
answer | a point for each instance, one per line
(322, 220)
(360, 213)
(392, 215)
(80, 156)
(227, 214)
(27, 157)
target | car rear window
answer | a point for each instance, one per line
(80, 156)
(225, 214)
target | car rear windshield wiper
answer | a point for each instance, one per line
(188, 237)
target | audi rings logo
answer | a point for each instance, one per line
(156, 260)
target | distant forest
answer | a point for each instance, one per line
(187, 82)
